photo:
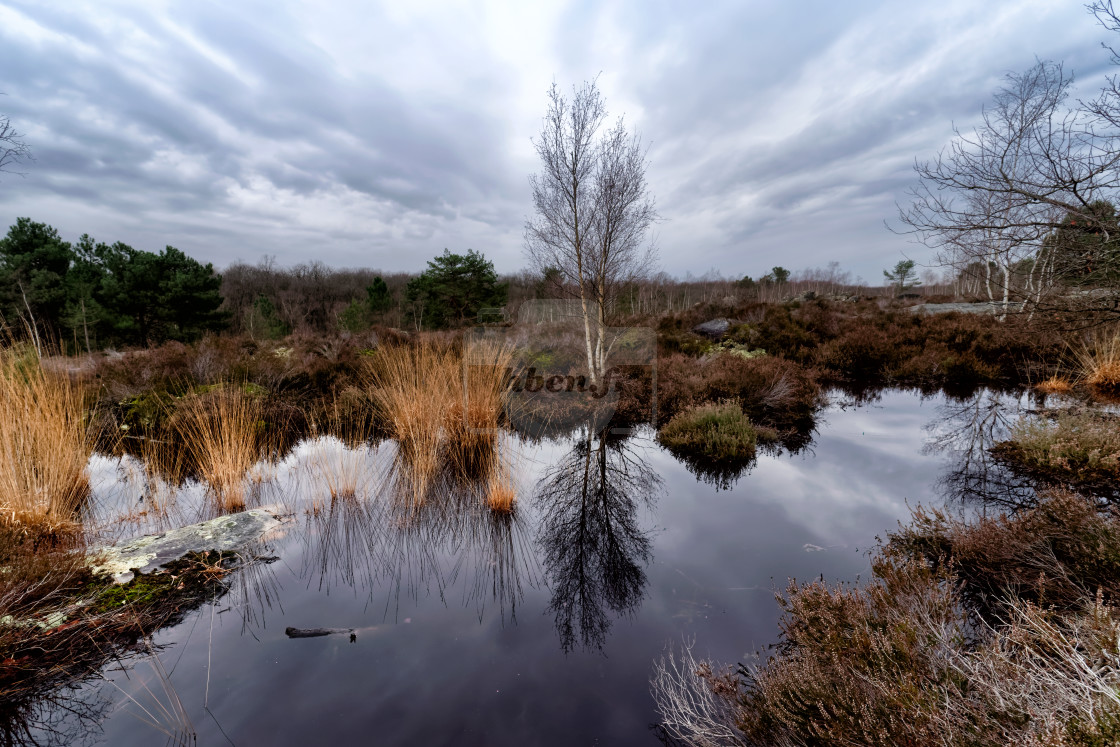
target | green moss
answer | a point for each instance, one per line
(190, 577)
(743, 351)
(146, 411)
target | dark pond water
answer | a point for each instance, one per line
(542, 629)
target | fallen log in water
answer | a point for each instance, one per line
(314, 632)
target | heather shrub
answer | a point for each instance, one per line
(1057, 553)
(1081, 447)
(861, 665)
(861, 343)
(772, 392)
(715, 432)
(990, 632)
(865, 353)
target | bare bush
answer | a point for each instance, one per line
(696, 705)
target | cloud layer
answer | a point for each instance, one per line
(777, 133)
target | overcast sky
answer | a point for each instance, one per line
(779, 133)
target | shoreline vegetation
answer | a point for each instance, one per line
(991, 631)
(988, 630)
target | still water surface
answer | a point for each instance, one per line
(543, 629)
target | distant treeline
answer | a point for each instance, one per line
(91, 295)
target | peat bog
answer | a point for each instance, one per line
(477, 563)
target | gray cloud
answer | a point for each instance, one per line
(778, 133)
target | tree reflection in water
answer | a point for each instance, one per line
(594, 551)
(967, 429)
(65, 716)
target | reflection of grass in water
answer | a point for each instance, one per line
(163, 711)
(414, 529)
(343, 539)
(475, 415)
(45, 444)
(1081, 446)
(501, 493)
(427, 545)
(345, 464)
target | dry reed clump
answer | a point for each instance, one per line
(501, 483)
(443, 410)
(1100, 362)
(910, 658)
(476, 409)
(1055, 385)
(45, 444)
(222, 434)
(415, 390)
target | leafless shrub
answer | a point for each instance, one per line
(697, 705)
(1059, 669)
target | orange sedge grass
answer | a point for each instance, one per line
(45, 444)
(1100, 362)
(1055, 385)
(415, 389)
(221, 433)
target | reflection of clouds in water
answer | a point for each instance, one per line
(64, 717)
(707, 562)
(373, 536)
(126, 501)
(861, 471)
(353, 529)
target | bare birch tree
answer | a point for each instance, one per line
(1034, 163)
(592, 210)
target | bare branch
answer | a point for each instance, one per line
(12, 147)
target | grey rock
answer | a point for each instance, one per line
(149, 552)
(714, 328)
(987, 307)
